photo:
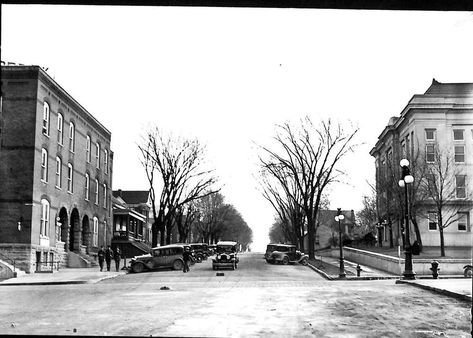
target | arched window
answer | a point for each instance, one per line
(44, 230)
(95, 234)
(72, 131)
(44, 165)
(87, 186)
(105, 160)
(96, 191)
(58, 172)
(97, 154)
(46, 118)
(70, 178)
(87, 149)
(60, 128)
(105, 196)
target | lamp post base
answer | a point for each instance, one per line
(342, 274)
(408, 275)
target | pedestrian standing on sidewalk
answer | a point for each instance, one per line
(108, 257)
(186, 256)
(101, 255)
(116, 258)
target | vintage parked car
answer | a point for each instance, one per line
(168, 256)
(286, 254)
(200, 251)
(226, 255)
(274, 247)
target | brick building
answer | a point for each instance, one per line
(434, 130)
(55, 172)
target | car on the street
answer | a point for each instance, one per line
(274, 247)
(200, 251)
(226, 255)
(285, 254)
(167, 256)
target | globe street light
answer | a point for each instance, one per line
(406, 179)
(338, 218)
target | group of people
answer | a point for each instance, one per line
(107, 256)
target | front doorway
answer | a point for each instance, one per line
(74, 232)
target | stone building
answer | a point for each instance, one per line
(55, 172)
(433, 131)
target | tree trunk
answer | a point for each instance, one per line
(163, 233)
(311, 234)
(391, 239)
(154, 235)
(417, 231)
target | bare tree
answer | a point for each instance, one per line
(308, 157)
(179, 162)
(284, 197)
(439, 190)
(186, 215)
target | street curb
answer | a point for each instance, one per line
(92, 281)
(46, 283)
(437, 290)
(322, 273)
(328, 277)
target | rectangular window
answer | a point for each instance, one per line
(97, 154)
(430, 134)
(105, 196)
(46, 118)
(87, 149)
(87, 186)
(96, 192)
(460, 186)
(71, 137)
(458, 135)
(430, 153)
(60, 127)
(44, 165)
(44, 217)
(462, 221)
(432, 221)
(70, 178)
(105, 159)
(459, 154)
(95, 235)
(58, 172)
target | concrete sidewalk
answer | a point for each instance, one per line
(460, 288)
(63, 276)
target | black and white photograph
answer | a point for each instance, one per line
(206, 170)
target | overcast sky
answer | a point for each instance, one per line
(228, 75)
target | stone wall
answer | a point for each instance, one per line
(394, 265)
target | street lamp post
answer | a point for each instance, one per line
(338, 218)
(407, 178)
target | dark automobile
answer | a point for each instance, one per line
(168, 256)
(274, 247)
(200, 251)
(285, 254)
(226, 255)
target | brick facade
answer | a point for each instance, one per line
(24, 144)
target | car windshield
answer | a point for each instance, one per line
(225, 248)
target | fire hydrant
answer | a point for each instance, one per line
(435, 269)
(358, 270)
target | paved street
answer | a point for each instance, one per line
(257, 299)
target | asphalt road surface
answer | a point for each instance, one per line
(256, 300)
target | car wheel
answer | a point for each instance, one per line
(138, 267)
(285, 261)
(468, 272)
(198, 259)
(304, 261)
(177, 265)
